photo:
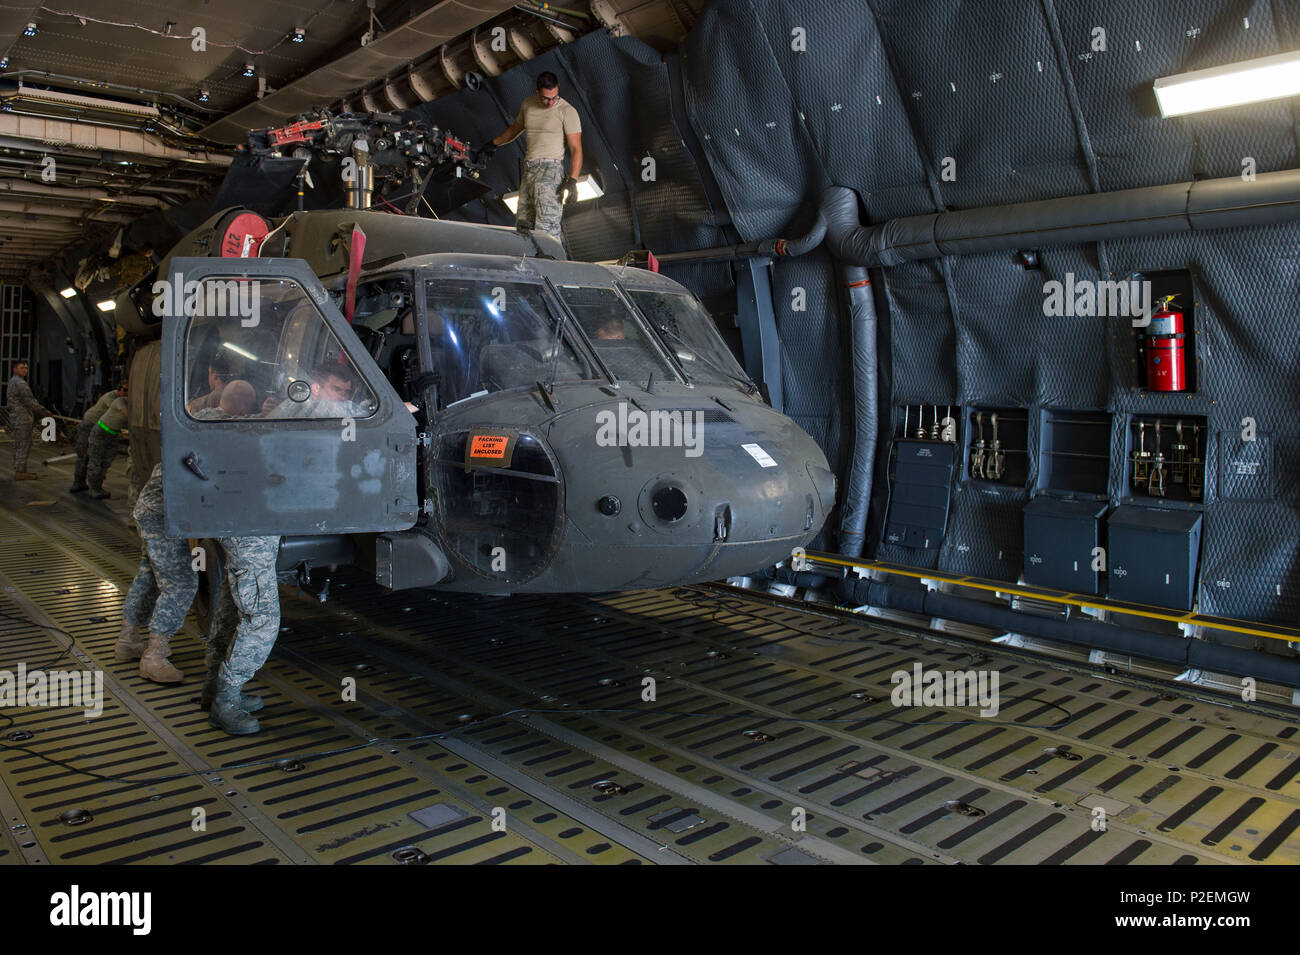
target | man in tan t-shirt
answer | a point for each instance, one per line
(551, 123)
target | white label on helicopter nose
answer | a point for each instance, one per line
(758, 454)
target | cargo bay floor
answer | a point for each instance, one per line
(514, 731)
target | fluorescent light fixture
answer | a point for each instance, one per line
(588, 188)
(1250, 81)
(239, 351)
(68, 292)
(107, 305)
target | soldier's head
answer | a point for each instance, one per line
(20, 369)
(121, 389)
(611, 329)
(334, 382)
(218, 371)
(548, 89)
(238, 399)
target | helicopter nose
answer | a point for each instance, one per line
(747, 488)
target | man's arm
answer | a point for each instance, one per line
(512, 132)
(575, 154)
(27, 400)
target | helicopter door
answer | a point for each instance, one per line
(275, 421)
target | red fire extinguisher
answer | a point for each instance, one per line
(1165, 348)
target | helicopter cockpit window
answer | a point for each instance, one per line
(491, 335)
(619, 338)
(261, 349)
(688, 330)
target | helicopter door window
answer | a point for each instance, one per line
(261, 348)
(689, 332)
(491, 335)
(619, 338)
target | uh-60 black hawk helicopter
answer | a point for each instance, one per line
(579, 427)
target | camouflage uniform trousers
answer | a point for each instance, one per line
(20, 424)
(132, 485)
(539, 206)
(246, 615)
(165, 584)
(83, 453)
(99, 457)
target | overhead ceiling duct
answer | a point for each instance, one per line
(76, 101)
(382, 56)
(43, 133)
(1270, 198)
(445, 71)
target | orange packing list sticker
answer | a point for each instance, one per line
(490, 449)
(489, 446)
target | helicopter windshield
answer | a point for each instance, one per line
(280, 362)
(618, 336)
(689, 332)
(489, 334)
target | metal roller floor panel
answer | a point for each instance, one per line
(421, 727)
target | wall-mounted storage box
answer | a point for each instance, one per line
(1060, 542)
(919, 493)
(1075, 452)
(1152, 555)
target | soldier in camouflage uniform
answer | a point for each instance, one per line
(539, 206)
(104, 441)
(89, 423)
(161, 594)
(249, 609)
(551, 125)
(24, 409)
(246, 613)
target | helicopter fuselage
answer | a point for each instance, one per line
(577, 427)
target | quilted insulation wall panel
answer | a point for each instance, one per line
(934, 105)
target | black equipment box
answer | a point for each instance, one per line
(1060, 542)
(1153, 556)
(920, 493)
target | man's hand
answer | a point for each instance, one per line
(485, 152)
(567, 189)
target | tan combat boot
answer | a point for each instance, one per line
(154, 665)
(130, 645)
